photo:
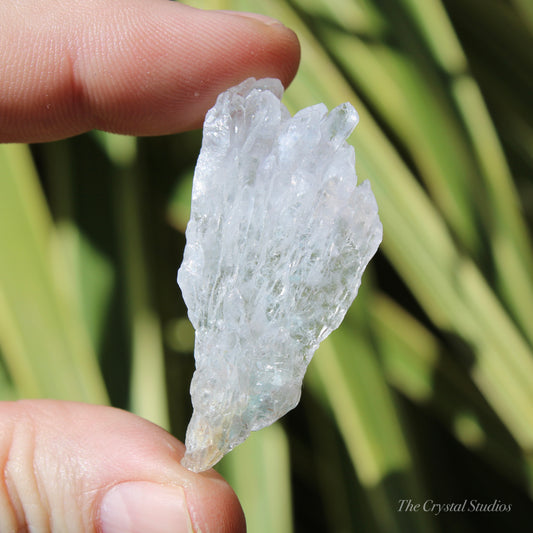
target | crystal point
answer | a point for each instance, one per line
(278, 240)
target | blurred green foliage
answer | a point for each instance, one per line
(426, 390)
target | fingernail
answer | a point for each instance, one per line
(145, 507)
(269, 21)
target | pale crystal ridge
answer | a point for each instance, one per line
(278, 240)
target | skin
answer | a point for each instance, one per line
(60, 458)
(139, 67)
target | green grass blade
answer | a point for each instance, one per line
(407, 93)
(511, 244)
(259, 472)
(179, 208)
(353, 385)
(416, 365)
(44, 341)
(524, 10)
(91, 269)
(7, 391)
(148, 383)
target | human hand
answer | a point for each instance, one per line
(139, 67)
(71, 467)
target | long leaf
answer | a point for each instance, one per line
(258, 471)
(148, 382)
(44, 340)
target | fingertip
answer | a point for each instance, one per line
(222, 49)
(143, 506)
(147, 507)
(285, 38)
(211, 501)
(139, 67)
(213, 505)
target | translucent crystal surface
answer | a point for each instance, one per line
(278, 240)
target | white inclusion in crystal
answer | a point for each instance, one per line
(278, 240)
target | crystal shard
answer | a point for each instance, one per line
(278, 240)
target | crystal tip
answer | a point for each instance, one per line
(201, 460)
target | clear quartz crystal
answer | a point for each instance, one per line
(278, 240)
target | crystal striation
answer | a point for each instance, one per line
(278, 240)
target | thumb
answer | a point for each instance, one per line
(85, 468)
(140, 67)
